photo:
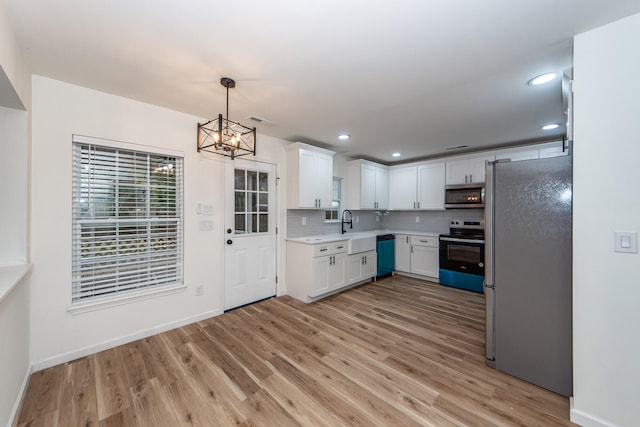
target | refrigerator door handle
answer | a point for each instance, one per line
(489, 285)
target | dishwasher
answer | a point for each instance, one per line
(385, 247)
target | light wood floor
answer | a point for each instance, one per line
(398, 352)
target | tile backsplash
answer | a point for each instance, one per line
(315, 223)
(431, 221)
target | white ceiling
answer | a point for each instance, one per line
(414, 76)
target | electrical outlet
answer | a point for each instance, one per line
(304, 220)
(199, 290)
(357, 219)
(417, 219)
(377, 218)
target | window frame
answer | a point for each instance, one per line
(172, 259)
(338, 209)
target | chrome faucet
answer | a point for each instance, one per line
(350, 222)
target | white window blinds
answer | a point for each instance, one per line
(127, 220)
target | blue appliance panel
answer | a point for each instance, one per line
(386, 255)
(456, 279)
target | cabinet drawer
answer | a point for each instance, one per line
(329, 248)
(424, 241)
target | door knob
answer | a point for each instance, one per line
(229, 231)
(229, 241)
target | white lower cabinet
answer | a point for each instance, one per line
(424, 256)
(417, 254)
(361, 266)
(316, 270)
(403, 253)
(328, 274)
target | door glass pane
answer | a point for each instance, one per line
(240, 195)
(264, 223)
(253, 202)
(263, 202)
(263, 181)
(252, 180)
(253, 225)
(240, 224)
(239, 179)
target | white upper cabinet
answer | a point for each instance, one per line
(418, 186)
(532, 152)
(367, 185)
(431, 179)
(468, 169)
(403, 186)
(310, 177)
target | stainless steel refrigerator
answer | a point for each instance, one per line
(528, 271)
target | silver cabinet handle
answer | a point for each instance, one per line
(340, 247)
(323, 250)
(362, 260)
(418, 205)
(407, 239)
(465, 179)
(424, 241)
(365, 260)
(412, 249)
(414, 205)
(470, 178)
(319, 202)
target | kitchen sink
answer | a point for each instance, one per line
(361, 243)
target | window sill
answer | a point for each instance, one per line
(129, 297)
(11, 276)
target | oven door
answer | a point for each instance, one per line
(463, 255)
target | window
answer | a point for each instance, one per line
(251, 197)
(127, 219)
(333, 214)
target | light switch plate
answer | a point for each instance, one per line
(625, 241)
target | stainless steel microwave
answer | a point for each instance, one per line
(464, 196)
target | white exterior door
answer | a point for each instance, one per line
(250, 232)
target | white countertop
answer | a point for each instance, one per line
(328, 238)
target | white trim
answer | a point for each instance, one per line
(76, 354)
(124, 298)
(585, 420)
(13, 416)
(111, 143)
(11, 276)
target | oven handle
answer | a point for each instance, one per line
(453, 239)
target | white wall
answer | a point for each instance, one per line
(14, 78)
(60, 110)
(13, 186)
(606, 285)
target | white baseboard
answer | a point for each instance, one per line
(76, 354)
(585, 420)
(13, 416)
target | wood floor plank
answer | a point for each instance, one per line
(78, 402)
(399, 351)
(44, 399)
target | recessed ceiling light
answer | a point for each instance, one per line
(395, 155)
(550, 126)
(542, 79)
(344, 136)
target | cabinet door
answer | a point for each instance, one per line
(424, 261)
(478, 167)
(367, 187)
(336, 271)
(321, 268)
(323, 179)
(431, 178)
(457, 172)
(307, 179)
(403, 188)
(369, 267)
(402, 253)
(515, 155)
(354, 268)
(382, 188)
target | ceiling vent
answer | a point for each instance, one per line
(261, 121)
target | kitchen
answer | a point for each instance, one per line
(55, 332)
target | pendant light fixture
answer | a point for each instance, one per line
(224, 137)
